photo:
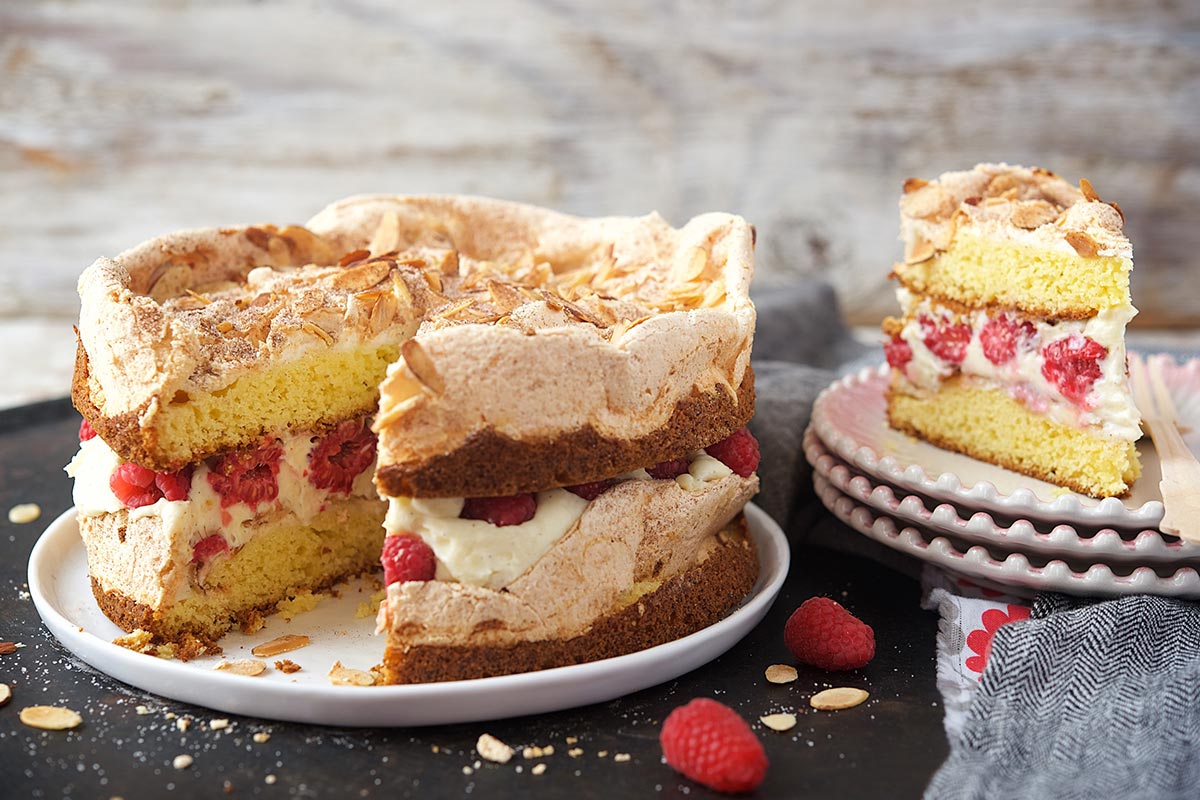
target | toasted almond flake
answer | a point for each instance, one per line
(422, 366)
(5, 694)
(538, 769)
(837, 699)
(781, 673)
(50, 718)
(262, 737)
(1089, 193)
(387, 236)
(182, 761)
(912, 184)
(250, 667)
(344, 676)
(779, 722)
(1033, 214)
(919, 250)
(281, 644)
(1084, 245)
(23, 513)
(493, 749)
(218, 724)
(318, 331)
(354, 255)
(205, 299)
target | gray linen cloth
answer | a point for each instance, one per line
(1084, 700)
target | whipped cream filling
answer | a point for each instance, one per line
(1107, 405)
(201, 514)
(475, 552)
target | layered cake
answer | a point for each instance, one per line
(1011, 347)
(562, 453)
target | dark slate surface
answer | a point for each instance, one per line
(889, 747)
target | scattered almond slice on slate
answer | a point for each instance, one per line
(51, 718)
(837, 699)
(779, 722)
(781, 673)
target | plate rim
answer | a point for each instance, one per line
(327, 705)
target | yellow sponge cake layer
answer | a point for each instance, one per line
(1047, 282)
(988, 424)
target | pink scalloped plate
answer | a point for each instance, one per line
(850, 419)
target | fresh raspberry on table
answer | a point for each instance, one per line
(1072, 363)
(175, 485)
(501, 511)
(739, 452)
(709, 743)
(1001, 336)
(590, 491)
(669, 469)
(823, 633)
(341, 455)
(898, 352)
(246, 476)
(407, 557)
(134, 486)
(86, 431)
(946, 340)
(208, 548)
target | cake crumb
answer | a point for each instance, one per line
(370, 608)
(538, 769)
(467, 770)
(344, 676)
(262, 737)
(182, 761)
(139, 641)
(252, 623)
(292, 607)
(143, 710)
(572, 739)
(622, 757)
(575, 752)
(287, 666)
(493, 749)
(602, 754)
(269, 780)
(537, 752)
(183, 724)
(23, 513)
(218, 724)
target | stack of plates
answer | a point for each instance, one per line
(990, 524)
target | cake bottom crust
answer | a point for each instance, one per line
(680, 606)
(991, 426)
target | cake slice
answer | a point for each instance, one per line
(1011, 347)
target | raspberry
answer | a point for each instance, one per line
(822, 633)
(946, 340)
(208, 548)
(341, 455)
(709, 743)
(501, 511)
(134, 486)
(739, 452)
(590, 491)
(898, 352)
(407, 558)
(246, 476)
(1000, 337)
(1073, 365)
(175, 485)
(669, 469)
(86, 431)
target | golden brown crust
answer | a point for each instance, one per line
(490, 464)
(683, 605)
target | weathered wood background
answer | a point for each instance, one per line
(120, 120)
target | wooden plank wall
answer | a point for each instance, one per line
(120, 120)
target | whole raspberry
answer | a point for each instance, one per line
(501, 511)
(175, 485)
(407, 558)
(590, 491)
(1073, 365)
(1001, 336)
(669, 469)
(246, 476)
(86, 431)
(208, 548)
(739, 452)
(709, 743)
(134, 486)
(341, 455)
(946, 340)
(898, 352)
(822, 633)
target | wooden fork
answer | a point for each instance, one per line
(1180, 484)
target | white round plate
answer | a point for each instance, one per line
(1013, 569)
(850, 418)
(59, 584)
(1147, 547)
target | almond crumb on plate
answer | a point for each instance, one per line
(23, 513)
(779, 722)
(493, 749)
(344, 676)
(837, 699)
(282, 644)
(781, 673)
(250, 667)
(50, 718)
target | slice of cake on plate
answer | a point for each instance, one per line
(1011, 348)
(556, 384)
